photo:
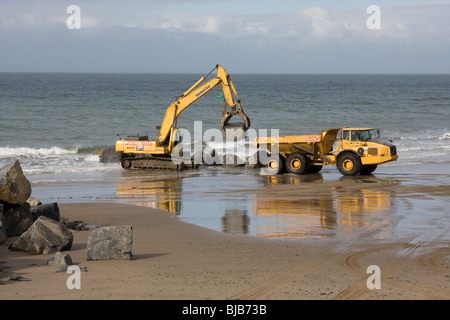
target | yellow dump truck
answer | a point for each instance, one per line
(356, 151)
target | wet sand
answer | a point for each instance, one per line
(406, 237)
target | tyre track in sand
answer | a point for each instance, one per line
(352, 261)
(269, 286)
(359, 289)
(422, 291)
(263, 289)
(432, 259)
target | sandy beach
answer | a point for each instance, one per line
(175, 260)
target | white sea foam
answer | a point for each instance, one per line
(8, 152)
(445, 136)
(54, 160)
(240, 148)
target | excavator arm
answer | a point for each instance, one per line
(231, 103)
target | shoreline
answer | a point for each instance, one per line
(340, 227)
(174, 260)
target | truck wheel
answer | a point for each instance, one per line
(297, 163)
(368, 169)
(274, 165)
(314, 169)
(349, 164)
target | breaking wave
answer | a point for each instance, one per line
(8, 152)
(54, 159)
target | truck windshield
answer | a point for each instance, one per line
(361, 135)
(371, 134)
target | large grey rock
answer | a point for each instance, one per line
(212, 158)
(49, 210)
(43, 237)
(257, 159)
(110, 243)
(3, 231)
(60, 259)
(18, 218)
(14, 186)
(232, 160)
(234, 131)
(109, 154)
(33, 201)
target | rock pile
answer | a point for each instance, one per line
(39, 229)
(15, 214)
(37, 225)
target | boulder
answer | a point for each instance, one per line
(14, 186)
(110, 243)
(18, 277)
(33, 201)
(50, 210)
(257, 159)
(234, 131)
(109, 155)
(18, 218)
(232, 160)
(212, 158)
(3, 231)
(44, 236)
(60, 259)
(197, 157)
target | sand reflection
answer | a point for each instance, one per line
(275, 206)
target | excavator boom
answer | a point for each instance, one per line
(199, 89)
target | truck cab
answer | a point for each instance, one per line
(360, 150)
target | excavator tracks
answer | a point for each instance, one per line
(157, 163)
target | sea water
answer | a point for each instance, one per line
(55, 123)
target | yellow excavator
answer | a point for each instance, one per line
(138, 152)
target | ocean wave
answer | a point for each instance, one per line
(445, 136)
(64, 169)
(91, 149)
(54, 160)
(8, 152)
(426, 137)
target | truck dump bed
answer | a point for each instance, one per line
(313, 144)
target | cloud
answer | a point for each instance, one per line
(313, 23)
(137, 36)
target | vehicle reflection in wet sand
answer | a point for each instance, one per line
(235, 221)
(275, 206)
(317, 208)
(158, 194)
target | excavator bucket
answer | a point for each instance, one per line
(235, 130)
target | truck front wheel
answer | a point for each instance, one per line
(349, 164)
(297, 163)
(366, 170)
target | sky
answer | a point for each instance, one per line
(244, 36)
